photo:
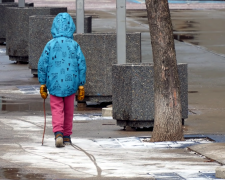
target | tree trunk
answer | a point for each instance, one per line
(168, 118)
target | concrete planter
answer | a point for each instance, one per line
(17, 35)
(3, 20)
(100, 53)
(40, 34)
(133, 94)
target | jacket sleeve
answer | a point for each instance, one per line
(81, 66)
(43, 65)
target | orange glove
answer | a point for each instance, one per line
(81, 93)
(43, 91)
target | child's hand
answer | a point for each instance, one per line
(43, 91)
(81, 93)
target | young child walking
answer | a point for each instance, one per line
(62, 68)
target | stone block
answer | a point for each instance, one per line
(17, 35)
(3, 20)
(133, 94)
(107, 112)
(40, 34)
(101, 53)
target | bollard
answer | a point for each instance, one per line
(80, 16)
(121, 31)
(21, 4)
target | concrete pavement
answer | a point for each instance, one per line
(101, 149)
(101, 158)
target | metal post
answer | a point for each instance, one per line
(80, 16)
(121, 31)
(21, 4)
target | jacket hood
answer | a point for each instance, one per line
(63, 26)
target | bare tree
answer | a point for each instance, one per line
(168, 118)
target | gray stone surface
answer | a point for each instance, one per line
(133, 93)
(100, 53)
(17, 35)
(40, 34)
(3, 21)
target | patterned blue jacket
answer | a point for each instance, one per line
(62, 65)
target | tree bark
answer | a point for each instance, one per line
(168, 118)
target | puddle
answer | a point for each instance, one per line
(91, 107)
(19, 174)
(192, 91)
(182, 37)
(36, 104)
(200, 27)
(32, 104)
(9, 105)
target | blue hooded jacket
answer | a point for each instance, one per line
(62, 65)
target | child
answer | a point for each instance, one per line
(62, 68)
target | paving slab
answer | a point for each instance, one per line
(215, 151)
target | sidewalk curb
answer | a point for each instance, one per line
(107, 112)
(220, 172)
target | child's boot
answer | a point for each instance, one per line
(67, 140)
(59, 139)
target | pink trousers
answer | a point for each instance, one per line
(62, 114)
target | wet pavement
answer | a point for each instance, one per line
(101, 149)
(205, 28)
(131, 4)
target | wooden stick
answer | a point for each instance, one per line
(44, 124)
